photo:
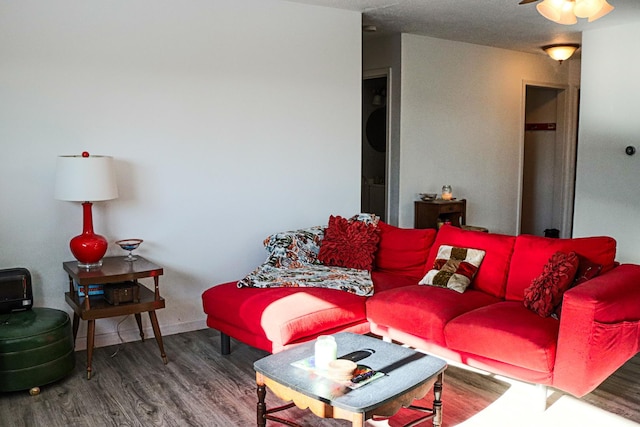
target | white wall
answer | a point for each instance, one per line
(608, 181)
(225, 126)
(462, 124)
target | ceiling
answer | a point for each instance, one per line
(499, 23)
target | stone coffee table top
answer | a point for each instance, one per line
(405, 370)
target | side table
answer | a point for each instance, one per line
(427, 213)
(114, 270)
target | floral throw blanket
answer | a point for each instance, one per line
(293, 262)
(319, 276)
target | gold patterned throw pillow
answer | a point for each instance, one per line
(454, 268)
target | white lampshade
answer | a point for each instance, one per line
(551, 9)
(587, 8)
(85, 179)
(606, 8)
(567, 17)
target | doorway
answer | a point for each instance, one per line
(548, 169)
(375, 141)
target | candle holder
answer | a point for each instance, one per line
(325, 350)
(446, 192)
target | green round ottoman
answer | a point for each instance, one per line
(36, 348)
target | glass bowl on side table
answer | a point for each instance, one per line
(129, 245)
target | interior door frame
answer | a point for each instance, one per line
(568, 132)
(391, 183)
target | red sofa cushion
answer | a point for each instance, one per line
(383, 281)
(423, 310)
(531, 253)
(403, 251)
(492, 275)
(508, 332)
(283, 315)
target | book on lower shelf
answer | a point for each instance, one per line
(96, 289)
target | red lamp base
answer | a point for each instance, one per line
(88, 248)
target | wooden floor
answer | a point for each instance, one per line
(199, 387)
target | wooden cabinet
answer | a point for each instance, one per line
(427, 213)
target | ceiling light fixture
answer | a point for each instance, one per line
(566, 12)
(560, 52)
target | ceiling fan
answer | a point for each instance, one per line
(567, 11)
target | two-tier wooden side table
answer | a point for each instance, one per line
(114, 270)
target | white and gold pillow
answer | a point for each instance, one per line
(454, 268)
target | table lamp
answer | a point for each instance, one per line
(86, 179)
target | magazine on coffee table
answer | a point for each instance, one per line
(308, 364)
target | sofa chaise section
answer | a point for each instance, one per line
(276, 318)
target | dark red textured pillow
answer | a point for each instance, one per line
(350, 244)
(587, 270)
(546, 290)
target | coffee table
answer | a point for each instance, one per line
(409, 375)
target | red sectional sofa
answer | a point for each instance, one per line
(487, 326)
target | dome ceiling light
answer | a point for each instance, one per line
(561, 52)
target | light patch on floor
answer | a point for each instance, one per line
(520, 405)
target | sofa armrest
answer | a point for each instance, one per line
(599, 329)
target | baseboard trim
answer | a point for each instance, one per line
(133, 334)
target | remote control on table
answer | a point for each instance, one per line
(357, 355)
(363, 376)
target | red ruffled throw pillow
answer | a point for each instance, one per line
(546, 290)
(587, 270)
(349, 243)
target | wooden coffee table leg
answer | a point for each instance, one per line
(358, 420)
(261, 409)
(437, 402)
